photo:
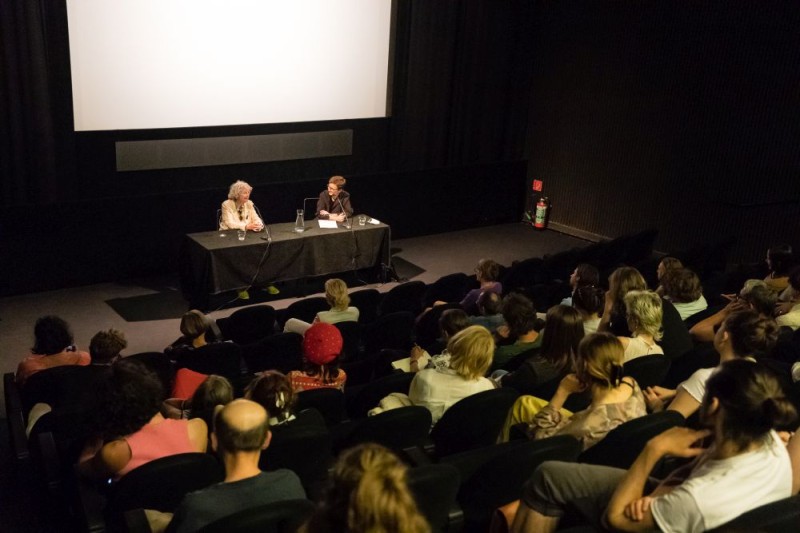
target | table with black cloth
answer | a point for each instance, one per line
(211, 263)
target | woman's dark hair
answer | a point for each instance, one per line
(588, 298)
(452, 321)
(519, 314)
(752, 401)
(751, 334)
(587, 275)
(51, 335)
(563, 331)
(488, 269)
(214, 391)
(273, 391)
(781, 259)
(127, 400)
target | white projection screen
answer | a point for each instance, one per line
(145, 64)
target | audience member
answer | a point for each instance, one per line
(755, 295)
(780, 261)
(470, 357)
(666, 264)
(341, 311)
(451, 322)
(368, 494)
(489, 309)
(563, 331)
(620, 282)
(644, 314)
(129, 430)
(742, 335)
(589, 301)
(194, 326)
(213, 390)
(520, 332)
(105, 346)
(584, 275)
(241, 432)
(788, 312)
(322, 346)
(53, 346)
(614, 399)
(745, 467)
(487, 273)
(273, 391)
(682, 288)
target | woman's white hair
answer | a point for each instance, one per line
(237, 188)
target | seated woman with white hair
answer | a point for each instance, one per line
(644, 314)
(341, 310)
(238, 211)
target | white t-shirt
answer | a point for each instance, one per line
(717, 491)
(696, 384)
(791, 319)
(687, 309)
(438, 389)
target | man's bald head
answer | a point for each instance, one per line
(240, 426)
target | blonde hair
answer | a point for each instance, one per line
(237, 188)
(644, 312)
(369, 494)
(600, 360)
(336, 294)
(471, 352)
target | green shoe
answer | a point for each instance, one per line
(272, 289)
(244, 295)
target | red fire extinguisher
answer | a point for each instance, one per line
(540, 219)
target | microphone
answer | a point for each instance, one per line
(342, 208)
(304, 204)
(259, 216)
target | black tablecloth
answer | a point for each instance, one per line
(211, 263)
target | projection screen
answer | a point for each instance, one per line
(146, 64)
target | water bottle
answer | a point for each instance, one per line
(299, 223)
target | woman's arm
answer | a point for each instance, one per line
(109, 460)
(628, 510)
(684, 403)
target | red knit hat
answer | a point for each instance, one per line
(322, 343)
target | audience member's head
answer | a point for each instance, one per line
(194, 324)
(749, 400)
(240, 426)
(452, 321)
(746, 334)
(489, 303)
(368, 494)
(52, 335)
(487, 270)
(106, 346)
(471, 352)
(600, 361)
(780, 260)
(757, 294)
(127, 400)
(681, 285)
(584, 274)
(214, 391)
(666, 264)
(644, 313)
(336, 294)
(273, 391)
(322, 345)
(588, 299)
(622, 281)
(519, 314)
(563, 331)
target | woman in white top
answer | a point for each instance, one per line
(644, 314)
(238, 212)
(341, 311)
(745, 466)
(742, 335)
(589, 301)
(437, 389)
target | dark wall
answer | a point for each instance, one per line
(677, 115)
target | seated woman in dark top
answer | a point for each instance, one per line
(194, 326)
(620, 282)
(563, 331)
